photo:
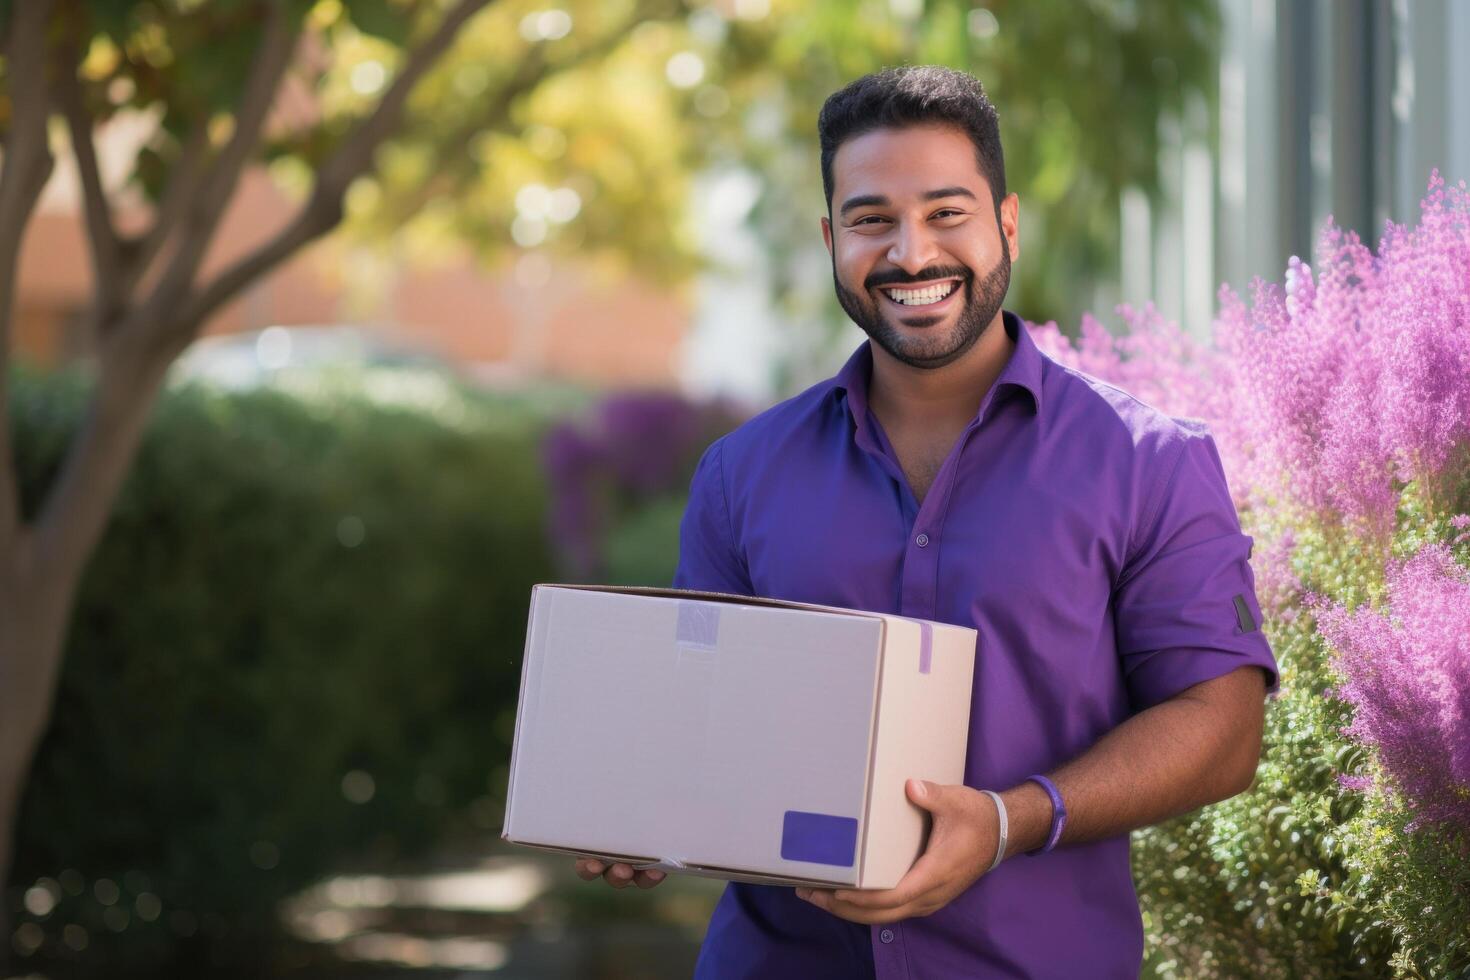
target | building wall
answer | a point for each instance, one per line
(521, 320)
(1325, 107)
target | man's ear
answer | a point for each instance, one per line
(1010, 223)
(827, 233)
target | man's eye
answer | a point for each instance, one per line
(870, 219)
(948, 213)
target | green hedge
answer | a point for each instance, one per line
(1300, 877)
(294, 587)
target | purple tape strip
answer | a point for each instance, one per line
(926, 646)
(698, 626)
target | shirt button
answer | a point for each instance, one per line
(922, 541)
(886, 935)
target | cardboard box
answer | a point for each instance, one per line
(736, 738)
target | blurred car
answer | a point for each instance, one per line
(263, 357)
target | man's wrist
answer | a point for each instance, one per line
(1029, 811)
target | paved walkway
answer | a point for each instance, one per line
(501, 913)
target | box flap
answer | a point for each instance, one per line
(516, 740)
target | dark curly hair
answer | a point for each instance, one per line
(909, 96)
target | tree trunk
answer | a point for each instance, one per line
(13, 769)
(41, 565)
(12, 778)
(41, 571)
(32, 629)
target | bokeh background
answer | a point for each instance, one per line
(587, 246)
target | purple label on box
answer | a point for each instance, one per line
(820, 838)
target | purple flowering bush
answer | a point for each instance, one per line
(619, 478)
(1406, 671)
(1340, 400)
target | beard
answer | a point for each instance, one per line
(934, 348)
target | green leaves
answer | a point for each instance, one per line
(387, 20)
(622, 103)
(1369, 897)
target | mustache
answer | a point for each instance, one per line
(898, 277)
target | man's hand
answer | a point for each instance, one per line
(1199, 746)
(962, 844)
(617, 875)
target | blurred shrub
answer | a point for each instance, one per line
(619, 480)
(297, 648)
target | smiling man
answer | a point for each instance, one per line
(950, 471)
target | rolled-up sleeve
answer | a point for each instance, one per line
(1185, 607)
(708, 558)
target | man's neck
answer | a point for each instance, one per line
(947, 398)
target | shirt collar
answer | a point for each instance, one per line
(1023, 372)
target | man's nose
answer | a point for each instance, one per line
(913, 248)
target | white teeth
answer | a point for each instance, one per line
(922, 297)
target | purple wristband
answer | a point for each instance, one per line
(1058, 812)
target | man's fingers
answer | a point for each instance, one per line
(910, 888)
(920, 879)
(617, 875)
(823, 899)
(874, 901)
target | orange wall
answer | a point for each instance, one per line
(579, 327)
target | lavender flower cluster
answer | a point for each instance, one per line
(1406, 671)
(635, 447)
(1336, 398)
(1331, 391)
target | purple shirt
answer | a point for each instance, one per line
(1091, 542)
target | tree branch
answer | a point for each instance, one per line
(76, 508)
(97, 460)
(323, 209)
(355, 155)
(319, 215)
(533, 68)
(208, 201)
(23, 173)
(101, 233)
(137, 356)
(182, 184)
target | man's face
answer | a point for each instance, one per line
(919, 259)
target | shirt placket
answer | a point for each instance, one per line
(890, 961)
(919, 587)
(918, 597)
